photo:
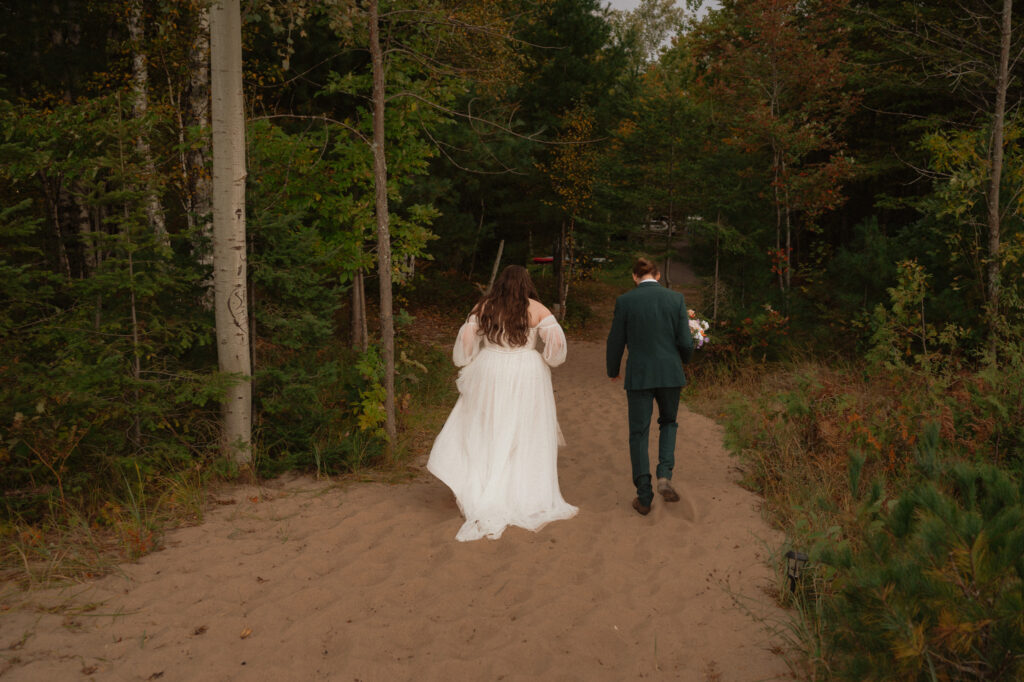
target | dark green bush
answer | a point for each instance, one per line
(936, 591)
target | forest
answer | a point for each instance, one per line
(847, 175)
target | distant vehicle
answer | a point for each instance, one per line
(660, 225)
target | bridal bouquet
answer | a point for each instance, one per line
(698, 328)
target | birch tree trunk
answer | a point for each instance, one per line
(567, 273)
(199, 103)
(778, 215)
(714, 296)
(380, 172)
(140, 90)
(996, 166)
(360, 333)
(229, 255)
(90, 247)
(52, 195)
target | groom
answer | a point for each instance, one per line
(653, 323)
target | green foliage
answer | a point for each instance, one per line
(775, 72)
(100, 359)
(902, 331)
(905, 487)
(319, 405)
(320, 411)
(936, 591)
(370, 411)
(866, 267)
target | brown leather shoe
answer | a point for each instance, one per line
(642, 509)
(668, 493)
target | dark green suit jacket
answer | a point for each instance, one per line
(652, 321)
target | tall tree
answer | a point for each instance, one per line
(380, 172)
(572, 60)
(199, 153)
(422, 56)
(140, 90)
(995, 179)
(650, 27)
(778, 67)
(571, 172)
(969, 49)
(231, 303)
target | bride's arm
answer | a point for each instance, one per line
(467, 343)
(555, 349)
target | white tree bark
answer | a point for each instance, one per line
(360, 332)
(199, 103)
(229, 256)
(140, 90)
(384, 267)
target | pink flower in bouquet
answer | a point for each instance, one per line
(698, 328)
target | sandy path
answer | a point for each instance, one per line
(365, 582)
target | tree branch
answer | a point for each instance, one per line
(326, 119)
(532, 138)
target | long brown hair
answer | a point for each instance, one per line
(503, 312)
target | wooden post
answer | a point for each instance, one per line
(497, 262)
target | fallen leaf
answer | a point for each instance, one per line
(245, 633)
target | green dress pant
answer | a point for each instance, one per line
(641, 407)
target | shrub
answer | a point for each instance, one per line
(935, 591)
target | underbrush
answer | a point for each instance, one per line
(905, 488)
(70, 509)
(76, 516)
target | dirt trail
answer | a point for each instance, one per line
(307, 580)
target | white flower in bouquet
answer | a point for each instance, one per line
(698, 328)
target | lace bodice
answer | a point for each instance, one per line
(470, 342)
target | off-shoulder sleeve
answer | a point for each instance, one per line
(467, 343)
(553, 337)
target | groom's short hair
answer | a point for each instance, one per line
(645, 268)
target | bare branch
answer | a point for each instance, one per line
(532, 138)
(326, 119)
(903, 114)
(441, 148)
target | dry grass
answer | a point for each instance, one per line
(71, 550)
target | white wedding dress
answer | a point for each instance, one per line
(498, 450)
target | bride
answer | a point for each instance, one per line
(498, 450)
